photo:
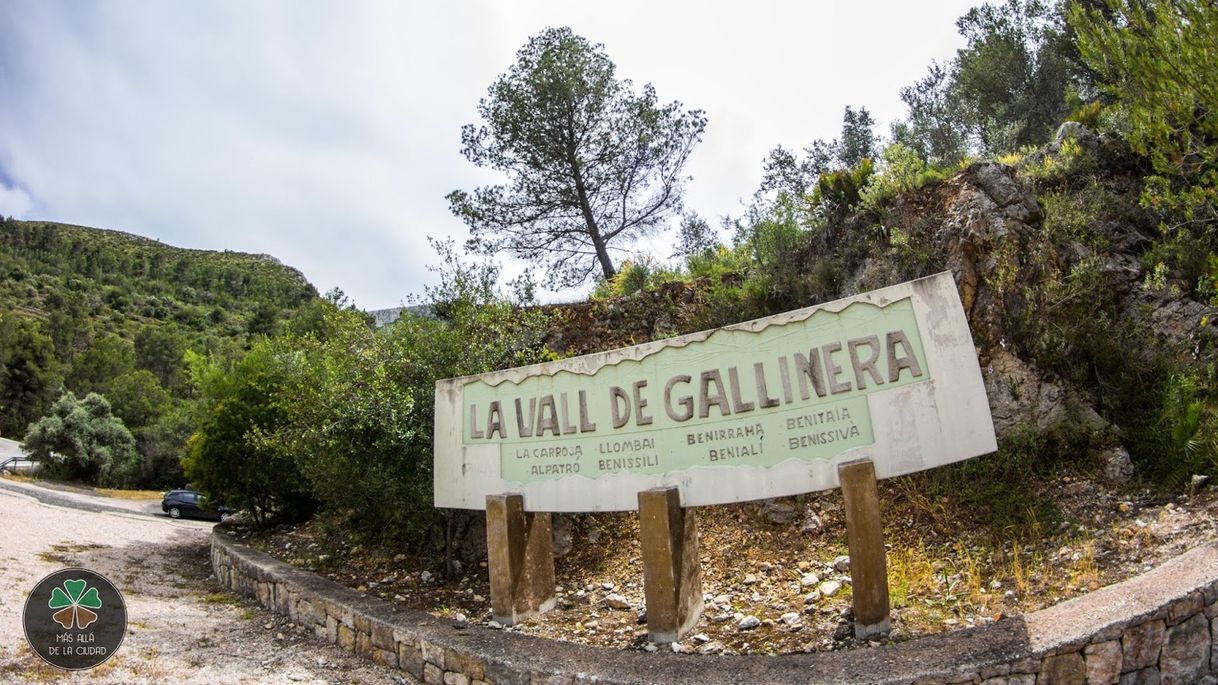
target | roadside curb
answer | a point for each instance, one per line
(1156, 626)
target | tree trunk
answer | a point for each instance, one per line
(594, 231)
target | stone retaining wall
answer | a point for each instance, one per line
(1157, 628)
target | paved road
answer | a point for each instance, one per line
(9, 449)
(81, 501)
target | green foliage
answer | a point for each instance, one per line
(162, 445)
(29, 373)
(227, 456)
(1088, 114)
(160, 350)
(786, 173)
(1188, 422)
(837, 192)
(119, 282)
(935, 126)
(138, 398)
(340, 413)
(858, 141)
(901, 170)
(350, 422)
(1049, 166)
(695, 237)
(81, 440)
(590, 163)
(1018, 77)
(90, 310)
(105, 358)
(1004, 492)
(1155, 59)
(633, 277)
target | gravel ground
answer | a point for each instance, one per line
(181, 627)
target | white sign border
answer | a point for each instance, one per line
(916, 427)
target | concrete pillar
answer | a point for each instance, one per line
(672, 577)
(865, 538)
(520, 559)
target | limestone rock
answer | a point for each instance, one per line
(1140, 645)
(616, 601)
(563, 528)
(1145, 676)
(1117, 466)
(778, 512)
(1019, 396)
(1062, 669)
(811, 524)
(1185, 655)
(1103, 662)
(1073, 130)
(748, 623)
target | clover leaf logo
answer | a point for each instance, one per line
(75, 605)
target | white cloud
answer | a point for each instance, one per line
(327, 134)
(15, 202)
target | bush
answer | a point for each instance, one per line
(81, 440)
(227, 457)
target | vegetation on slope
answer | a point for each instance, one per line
(86, 310)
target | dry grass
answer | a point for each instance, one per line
(130, 494)
(59, 554)
(954, 561)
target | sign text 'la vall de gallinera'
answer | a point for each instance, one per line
(760, 409)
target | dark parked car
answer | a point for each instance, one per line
(179, 503)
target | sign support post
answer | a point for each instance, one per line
(672, 577)
(865, 539)
(520, 558)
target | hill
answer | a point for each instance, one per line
(125, 281)
(95, 310)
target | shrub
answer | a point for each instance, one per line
(227, 457)
(81, 440)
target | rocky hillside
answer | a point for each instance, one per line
(1089, 328)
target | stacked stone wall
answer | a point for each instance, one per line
(1159, 627)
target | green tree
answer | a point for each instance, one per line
(82, 440)
(358, 402)
(1157, 62)
(590, 164)
(28, 373)
(226, 457)
(858, 141)
(935, 127)
(696, 237)
(160, 349)
(105, 358)
(138, 398)
(1016, 79)
(163, 445)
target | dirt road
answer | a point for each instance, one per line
(181, 627)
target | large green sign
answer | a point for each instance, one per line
(796, 390)
(759, 409)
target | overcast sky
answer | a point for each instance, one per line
(328, 133)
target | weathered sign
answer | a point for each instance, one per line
(760, 409)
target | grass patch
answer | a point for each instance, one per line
(58, 554)
(220, 598)
(130, 494)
